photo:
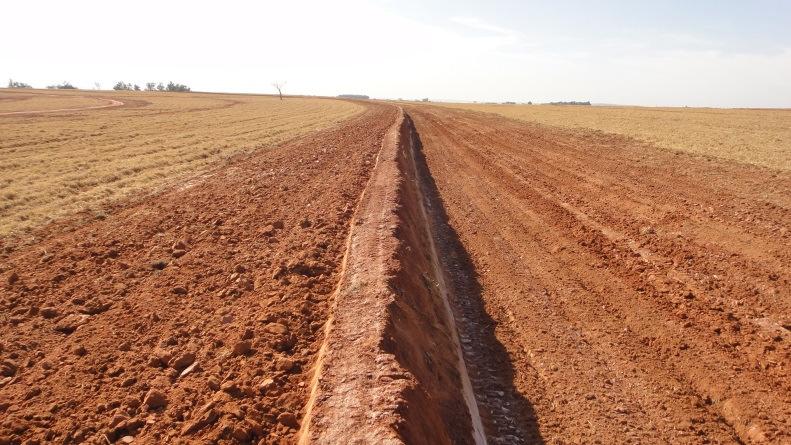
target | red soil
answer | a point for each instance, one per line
(101, 326)
(614, 292)
(466, 279)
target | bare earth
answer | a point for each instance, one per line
(416, 275)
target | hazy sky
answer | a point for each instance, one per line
(697, 53)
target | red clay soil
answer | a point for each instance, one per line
(611, 292)
(193, 317)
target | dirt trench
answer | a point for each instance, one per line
(391, 368)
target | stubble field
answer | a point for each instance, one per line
(57, 164)
(761, 137)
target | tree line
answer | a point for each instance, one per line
(151, 86)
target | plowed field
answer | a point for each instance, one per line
(411, 275)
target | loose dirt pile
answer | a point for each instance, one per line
(195, 316)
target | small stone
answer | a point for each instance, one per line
(159, 264)
(590, 396)
(278, 224)
(288, 419)
(179, 245)
(178, 253)
(268, 230)
(240, 268)
(48, 312)
(179, 290)
(189, 369)
(155, 399)
(127, 439)
(125, 346)
(80, 350)
(13, 278)
(242, 347)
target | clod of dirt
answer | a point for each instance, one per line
(242, 347)
(71, 322)
(159, 264)
(48, 312)
(288, 419)
(155, 399)
(183, 361)
(8, 368)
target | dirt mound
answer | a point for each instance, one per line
(390, 370)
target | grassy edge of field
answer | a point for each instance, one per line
(99, 210)
(757, 155)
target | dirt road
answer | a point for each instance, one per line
(611, 292)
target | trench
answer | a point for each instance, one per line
(392, 367)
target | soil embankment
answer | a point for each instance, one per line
(391, 369)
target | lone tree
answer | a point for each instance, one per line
(151, 86)
(279, 87)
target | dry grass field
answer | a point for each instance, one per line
(18, 101)
(56, 164)
(761, 137)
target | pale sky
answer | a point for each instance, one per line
(696, 53)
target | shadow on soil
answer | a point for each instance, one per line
(507, 416)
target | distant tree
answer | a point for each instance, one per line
(137, 87)
(14, 84)
(151, 86)
(425, 99)
(279, 87)
(97, 86)
(122, 86)
(529, 103)
(63, 86)
(177, 87)
(160, 87)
